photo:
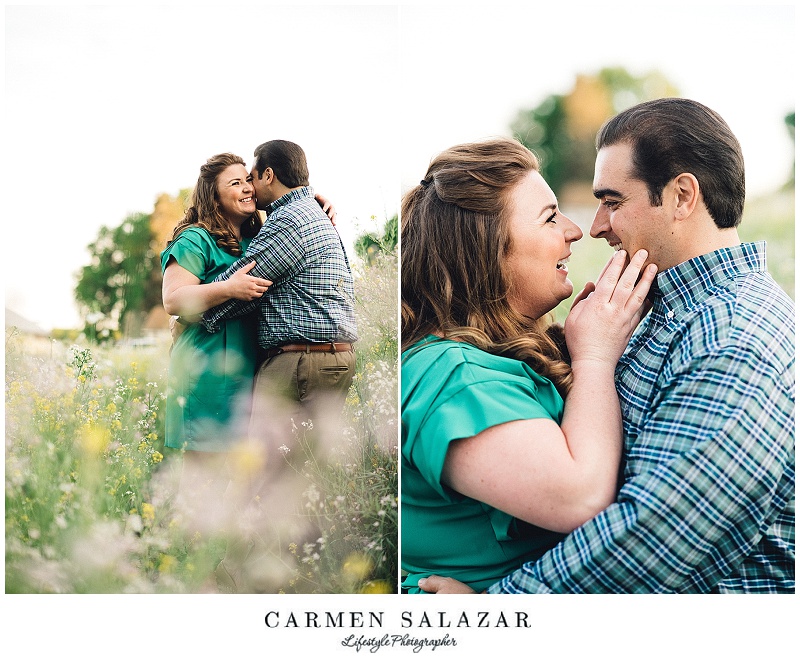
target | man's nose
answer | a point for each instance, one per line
(600, 223)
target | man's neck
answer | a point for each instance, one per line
(699, 238)
(279, 190)
(717, 239)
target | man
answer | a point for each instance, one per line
(705, 386)
(306, 319)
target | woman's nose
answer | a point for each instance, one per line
(573, 232)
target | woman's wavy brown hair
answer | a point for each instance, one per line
(455, 240)
(204, 208)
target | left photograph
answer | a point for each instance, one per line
(201, 383)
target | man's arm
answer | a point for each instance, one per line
(278, 251)
(689, 522)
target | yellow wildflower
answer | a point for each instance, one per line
(379, 587)
(94, 440)
(357, 566)
(148, 512)
(167, 563)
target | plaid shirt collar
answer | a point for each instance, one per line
(689, 284)
(293, 195)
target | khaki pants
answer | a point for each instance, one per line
(300, 394)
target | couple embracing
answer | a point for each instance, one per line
(648, 446)
(269, 322)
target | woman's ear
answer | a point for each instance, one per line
(687, 193)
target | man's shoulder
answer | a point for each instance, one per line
(749, 304)
(301, 207)
(750, 314)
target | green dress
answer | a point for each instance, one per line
(453, 390)
(210, 375)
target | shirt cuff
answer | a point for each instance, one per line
(211, 325)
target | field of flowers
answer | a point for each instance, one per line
(92, 501)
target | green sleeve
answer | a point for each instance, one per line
(191, 251)
(468, 404)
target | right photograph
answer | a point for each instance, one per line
(597, 356)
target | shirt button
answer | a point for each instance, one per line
(670, 314)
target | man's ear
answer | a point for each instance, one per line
(686, 189)
(268, 176)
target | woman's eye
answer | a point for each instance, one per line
(552, 218)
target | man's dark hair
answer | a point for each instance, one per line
(287, 160)
(670, 136)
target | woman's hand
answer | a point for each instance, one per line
(242, 286)
(327, 208)
(176, 328)
(444, 586)
(604, 315)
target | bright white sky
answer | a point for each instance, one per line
(107, 107)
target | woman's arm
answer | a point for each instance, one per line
(560, 477)
(184, 296)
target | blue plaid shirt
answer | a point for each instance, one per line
(311, 297)
(707, 394)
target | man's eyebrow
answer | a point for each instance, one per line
(605, 192)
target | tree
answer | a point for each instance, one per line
(562, 128)
(115, 290)
(369, 245)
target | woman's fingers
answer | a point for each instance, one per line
(627, 281)
(444, 586)
(642, 288)
(605, 267)
(607, 281)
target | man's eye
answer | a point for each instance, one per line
(552, 218)
(611, 204)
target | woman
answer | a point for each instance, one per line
(211, 375)
(508, 443)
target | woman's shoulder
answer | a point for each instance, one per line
(195, 236)
(443, 377)
(432, 348)
(191, 239)
(193, 249)
(436, 359)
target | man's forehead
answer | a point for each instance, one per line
(612, 166)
